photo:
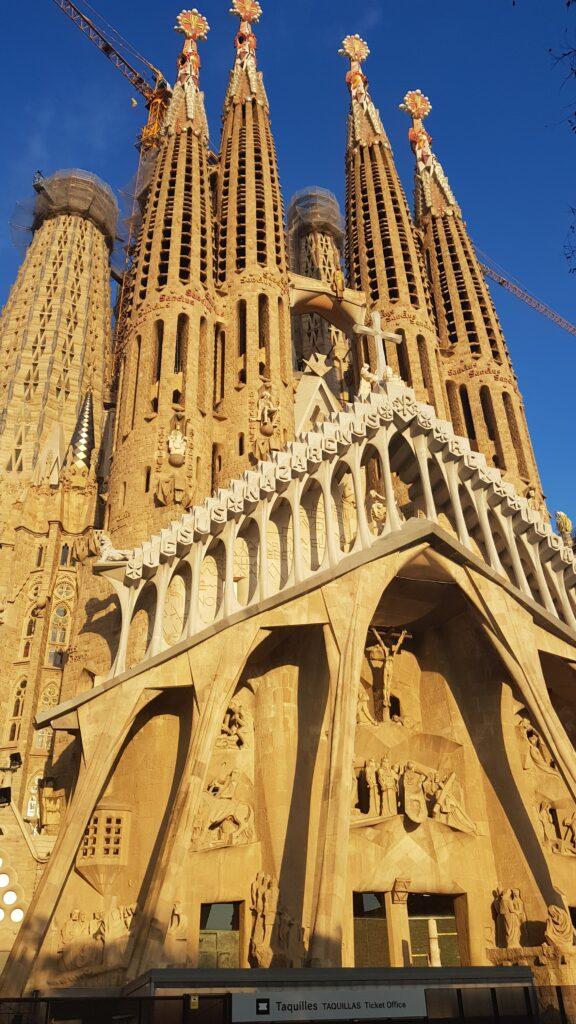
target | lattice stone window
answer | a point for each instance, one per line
(105, 838)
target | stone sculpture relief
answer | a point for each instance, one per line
(274, 935)
(558, 827)
(263, 421)
(51, 804)
(376, 511)
(535, 753)
(93, 944)
(510, 917)
(175, 952)
(384, 790)
(237, 728)
(382, 658)
(177, 445)
(559, 934)
(228, 820)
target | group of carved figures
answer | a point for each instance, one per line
(558, 828)
(94, 941)
(228, 818)
(99, 942)
(274, 935)
(383, 790)
(511, 919)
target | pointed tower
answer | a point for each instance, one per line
(483, 397)
(55, 327)
(384, 260)
(165, 385)
(253, 398)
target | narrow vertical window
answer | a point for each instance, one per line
(159, 333)
(467, 410)
(515, 435)
(136, 373)
(181, 345)
(241, 328)
(264, 335)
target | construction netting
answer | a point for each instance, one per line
(76, 192)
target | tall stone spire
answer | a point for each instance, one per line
(484, 401)
(253, 398)
(383, 254)
(165, 392)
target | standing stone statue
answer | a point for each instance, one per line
(509, 907)
(372, 787)
(388, 786)
(559, 934)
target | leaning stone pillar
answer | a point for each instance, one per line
(345, 638)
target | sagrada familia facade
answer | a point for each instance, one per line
(288, 641)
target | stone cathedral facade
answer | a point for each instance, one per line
(288, 641)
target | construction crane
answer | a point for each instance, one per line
(153, 87)
(491, 270)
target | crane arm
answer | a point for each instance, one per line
(105, 46)
(494, 275)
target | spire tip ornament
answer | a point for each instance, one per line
(192, 24)
(355, 48)
(416, 104)
(246, 10)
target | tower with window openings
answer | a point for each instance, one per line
(382, 248)
(484, 402)
(253, 397)
(164, 422)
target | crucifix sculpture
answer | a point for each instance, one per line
(375, 331)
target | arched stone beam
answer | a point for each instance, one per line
(310, 296)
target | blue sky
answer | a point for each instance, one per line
(499, 123)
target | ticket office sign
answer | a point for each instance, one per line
(376, 1002)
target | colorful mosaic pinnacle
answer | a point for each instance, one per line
(192, 24)
(247, 10)
(355, 49)
(416, 104)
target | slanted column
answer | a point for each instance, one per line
(345, 639)
(452, 481)
(364, 535)
(128, 598)
(519, 573)
(482, 509)
(262, 513)
(541, 579)
(381, 443)
(294, 496)
(562, 595)
(325, 480)
(421, 453)
(162, 582)
(230, 602)
(195, 562)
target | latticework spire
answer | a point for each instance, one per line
(383, 254)
(166, 378)
(253, 354)
(483, 397)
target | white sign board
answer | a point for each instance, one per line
(380, 1002)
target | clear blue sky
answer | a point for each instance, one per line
(498, 122)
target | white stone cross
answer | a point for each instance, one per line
(380, 336)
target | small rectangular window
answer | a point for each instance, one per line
(370, 931)
(219, 935)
